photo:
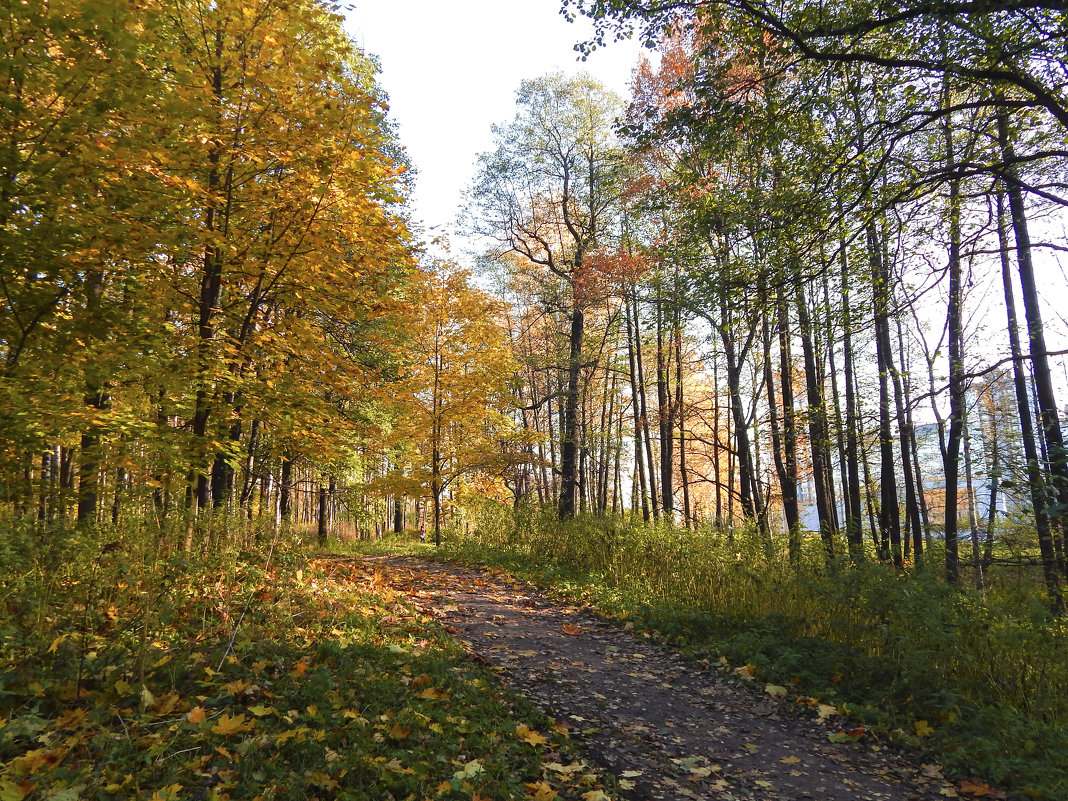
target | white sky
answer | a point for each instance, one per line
(451, 68)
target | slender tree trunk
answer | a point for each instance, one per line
(285, 489)
(743, 449)
(817, 428)
(1043, 380)
(570, 423)
(973, 523)
(89, 462)
(954, 326)
(639, 461)
(644, 409)
(1035, 478)
(854, 511)
(664, 417)
(684, 478)
(889, 516)
(784, 451)
(324, 515)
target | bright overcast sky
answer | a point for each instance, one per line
(451, 68)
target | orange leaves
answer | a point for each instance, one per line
(571, 629)
(977, 789)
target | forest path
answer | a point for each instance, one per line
(668, 726)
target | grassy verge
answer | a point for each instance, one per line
(235, 677)
(977, 680)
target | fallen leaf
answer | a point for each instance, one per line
(826, 710)
(775, 690)
(540, 791)
(399, 732)
(528, 735)
(630, 774)
(595, 795)
(626, 784)
(469, 771)
(10, 791)
(227, 725)
(746, 671)
(397, 766)
(980, 790)
(843, 737)
(196, 715)
(790, 760)
(572, 629)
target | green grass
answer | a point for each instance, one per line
(129, 674)
(901, 652)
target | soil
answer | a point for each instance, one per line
(668, 726)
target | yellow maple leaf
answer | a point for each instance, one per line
(790, 760)
(169, 793)
(595, 795)
(432, 694)
(528, 735)
(540, 791)
(227, 725)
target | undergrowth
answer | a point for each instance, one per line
(130, 673)
(978, 680)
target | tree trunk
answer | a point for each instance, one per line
(569, 427)
(889, 515)
(817, 428)
(664, 417)
(1035, 478)
(1043, 380)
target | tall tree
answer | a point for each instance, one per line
(547, 193)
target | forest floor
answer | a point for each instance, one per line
(668, 726)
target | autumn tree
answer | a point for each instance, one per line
(546, 193)
(452, 416)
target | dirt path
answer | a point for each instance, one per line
(668, 727)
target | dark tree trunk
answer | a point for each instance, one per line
(954, 326)
(285, 489)
(889, 515)
(569, 428)
(1043, 380)
(639, 461)
(324, 515)
(1035, 478)
(817, 427)
(89, 463)
(664, 417)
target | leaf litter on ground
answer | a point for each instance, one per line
(308, 679)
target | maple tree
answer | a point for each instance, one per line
(200, 234)
(453, 412)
